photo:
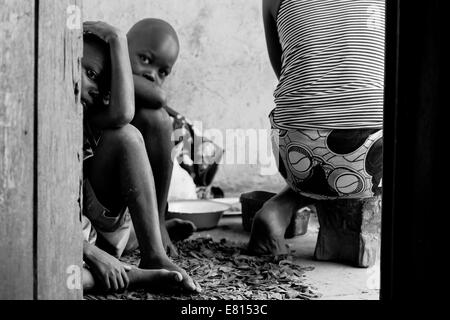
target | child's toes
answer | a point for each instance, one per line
(178, 277)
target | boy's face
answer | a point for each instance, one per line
(92, 65)
(153, 55)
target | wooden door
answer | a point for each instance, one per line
(40, 150)
(16, 148)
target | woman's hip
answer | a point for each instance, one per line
(331, 164)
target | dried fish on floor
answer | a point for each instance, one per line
(225, 272)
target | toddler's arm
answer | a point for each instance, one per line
(121, 105)
(148, 95)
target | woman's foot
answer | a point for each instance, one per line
(187, 283)
(268, 229)
(180, 229)
(270, 223)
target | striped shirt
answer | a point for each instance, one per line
(332, 73)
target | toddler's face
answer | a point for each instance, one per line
(93, 66)
(153, 57)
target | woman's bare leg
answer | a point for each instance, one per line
(270, 223)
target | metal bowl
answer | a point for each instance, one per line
(204, 214)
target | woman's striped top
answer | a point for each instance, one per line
(332, 73)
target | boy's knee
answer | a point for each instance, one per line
(154, 120)
(126, 135)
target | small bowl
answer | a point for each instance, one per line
(204, 214)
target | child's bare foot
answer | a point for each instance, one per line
(153, 279)
(180, 229)
(88, 280)
(164, 263)
(175, 230)
(140, 278)
(270, 224)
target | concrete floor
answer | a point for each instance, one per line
(332, 280)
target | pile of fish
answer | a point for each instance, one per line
(225, 272)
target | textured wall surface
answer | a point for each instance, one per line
(223, 76)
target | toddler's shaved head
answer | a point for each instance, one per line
(154, 49)
(150, 26)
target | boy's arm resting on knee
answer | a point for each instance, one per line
(87, 250)
(121, 108)
(90, 253)
(148, 95)
(93, 255)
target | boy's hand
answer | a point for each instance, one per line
(103, 30)
(159, 94)
(149, 93)
(109, 271)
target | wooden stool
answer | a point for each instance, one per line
(349, 231)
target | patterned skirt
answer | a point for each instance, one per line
(331, 164)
